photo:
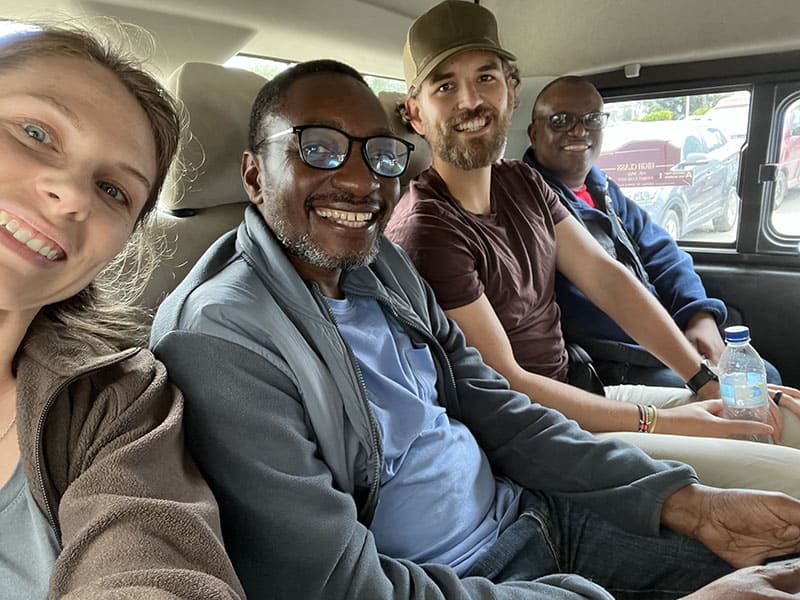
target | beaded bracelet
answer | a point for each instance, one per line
(648, 415)
(644, 422)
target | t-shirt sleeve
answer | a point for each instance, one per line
(557, 210)
(440, 250)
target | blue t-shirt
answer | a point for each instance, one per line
(439, 500)
(28, 545)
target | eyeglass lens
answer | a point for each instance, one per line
(327, 148)
(566, 121)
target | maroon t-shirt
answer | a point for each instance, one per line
(509, 255)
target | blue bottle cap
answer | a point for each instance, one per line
(737, 333)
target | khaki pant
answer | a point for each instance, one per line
(719, 462)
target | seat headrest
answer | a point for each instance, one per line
(218, 100)
(421, 157)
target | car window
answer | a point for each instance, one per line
(7, 27)
(693, 145)
(786, 188)
(713, 138)
(671, 155)
(269, 68)
(731, 113)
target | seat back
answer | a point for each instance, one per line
(421, 157)
(208, 198)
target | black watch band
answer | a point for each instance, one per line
(702, 377)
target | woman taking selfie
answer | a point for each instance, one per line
(96, 491)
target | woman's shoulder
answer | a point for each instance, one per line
(95, 378)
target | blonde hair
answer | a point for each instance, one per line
(103, 314)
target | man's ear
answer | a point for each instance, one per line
(251, 180)
(412, 113)
(532, 133)
(513, 92)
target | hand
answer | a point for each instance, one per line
(703, 333)
(710, 391)
(775, 582)
(775, 418)
(704, 419)
(790, 399)
(743, 527)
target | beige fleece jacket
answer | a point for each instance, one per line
(102, 450)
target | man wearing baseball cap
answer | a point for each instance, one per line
(489, 236)
(491, 261)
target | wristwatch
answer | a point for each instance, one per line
(702, 377)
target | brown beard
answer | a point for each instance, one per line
(469, 154)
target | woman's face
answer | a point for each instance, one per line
(77, 162)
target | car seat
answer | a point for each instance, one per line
(421, 156)
(206, 198)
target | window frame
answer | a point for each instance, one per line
(771, 79)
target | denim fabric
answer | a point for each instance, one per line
(621, 373)
(554, 535)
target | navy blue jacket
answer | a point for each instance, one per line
(629, 234)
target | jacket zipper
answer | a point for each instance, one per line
(371, 502)
(40, 427)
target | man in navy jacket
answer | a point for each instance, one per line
(566, 137)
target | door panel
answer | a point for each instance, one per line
(767, 301)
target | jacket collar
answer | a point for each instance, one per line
(256, 239)
(596, 180)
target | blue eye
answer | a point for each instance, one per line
(37, 133)
(112, 190)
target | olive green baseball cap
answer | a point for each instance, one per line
(446, 29)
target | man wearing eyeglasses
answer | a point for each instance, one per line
(356, 446)
(566, 133)
(490, 235)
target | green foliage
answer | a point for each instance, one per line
(658, 115)
(701, 111)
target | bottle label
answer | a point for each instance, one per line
(743, 390)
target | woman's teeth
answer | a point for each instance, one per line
(22, 235)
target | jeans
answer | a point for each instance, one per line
(622, 373)
(555, 535)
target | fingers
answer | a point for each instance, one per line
(715, 407)
(784, 575)
(703, 418)
(731, 427)
(789, 398)
(776, 420)
(784, 388)
(710, 391)
(791, 403)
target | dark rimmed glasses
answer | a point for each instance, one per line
(564, 121)
(328, 148)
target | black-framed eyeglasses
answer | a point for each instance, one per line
(327, 148)
(565, 121)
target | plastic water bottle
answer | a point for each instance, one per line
(743, 381)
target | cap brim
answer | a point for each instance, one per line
(445, 54)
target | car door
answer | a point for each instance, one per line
(696, 159)
(790, 147)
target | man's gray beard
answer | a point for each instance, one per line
(311, 253)
(472, 155)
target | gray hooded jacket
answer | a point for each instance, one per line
(277, 419)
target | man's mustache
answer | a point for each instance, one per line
(472, 113)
